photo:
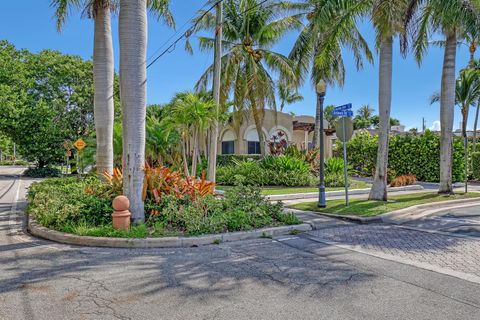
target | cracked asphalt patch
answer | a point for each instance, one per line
(290, 277)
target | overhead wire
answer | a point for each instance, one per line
(190, 30)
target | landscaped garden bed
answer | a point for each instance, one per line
(293, 168)
(174, 206)
(368, 208)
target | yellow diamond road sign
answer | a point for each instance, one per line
(79, 144)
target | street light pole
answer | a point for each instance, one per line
(321, 89)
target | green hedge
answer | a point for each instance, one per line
(417, 155)
(476, 165)
(229, 159)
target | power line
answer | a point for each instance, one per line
(190, 30)
(173, 35)
(186, 34)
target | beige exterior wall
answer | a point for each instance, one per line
(271, 125)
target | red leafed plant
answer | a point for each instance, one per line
(161, 181)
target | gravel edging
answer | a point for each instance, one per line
(166, 242)
(401, 215)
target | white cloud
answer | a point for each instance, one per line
(435, 126)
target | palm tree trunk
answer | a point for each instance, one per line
(195, 151)
(316, 136)
(103, 73)
(133, 81)
(465, 110)
(213, 150)
(258, 119)
(475, 124)
(447, 104)
(379, 187)
(185, 160)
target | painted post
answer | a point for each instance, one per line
(345, 164)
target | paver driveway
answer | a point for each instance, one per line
(457, 256)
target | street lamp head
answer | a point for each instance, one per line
(321, 87)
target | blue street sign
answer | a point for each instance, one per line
(342, 113)
(345, 107)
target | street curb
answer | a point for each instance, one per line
(424, 210)
(362, 220)
(166, 242)
(402, 215)
(314, 195)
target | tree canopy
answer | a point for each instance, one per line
(45, 99)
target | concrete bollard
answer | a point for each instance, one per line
(121, 214)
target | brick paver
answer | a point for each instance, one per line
(438, 250)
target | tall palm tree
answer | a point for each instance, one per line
(453, 19)
(467, 93)
(387, 17)
(133, 93)
(331, 26)
(249, 31)
(476, 65)
(103, 66)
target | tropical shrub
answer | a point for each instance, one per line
(404, 180)
(42, 172)
(334, 166)
(284, 164)
(229, 159)
(417, 155)
(59, 202)
(158, 182)
(271, 171)
(476, 165)
(68, 205)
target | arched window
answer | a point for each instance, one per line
(228, 142)
(253, 142)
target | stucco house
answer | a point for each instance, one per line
(296, 130)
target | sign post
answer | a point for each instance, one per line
(344, 133)
(80, 145)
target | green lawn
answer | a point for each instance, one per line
(366, 208)
(278, 190)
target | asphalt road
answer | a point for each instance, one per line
(292, 277)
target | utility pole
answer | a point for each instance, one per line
(423, 125)
(217, 69)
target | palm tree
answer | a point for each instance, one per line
(331, 26)
(476, 66)
(133, 81)
(247, 59)
(103, 67)
(365, 112)
(162, 146)
(387, 17)
(453, 19)
(288, 94)
(191, 115)
(467, 93)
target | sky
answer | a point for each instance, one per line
(35, 30)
